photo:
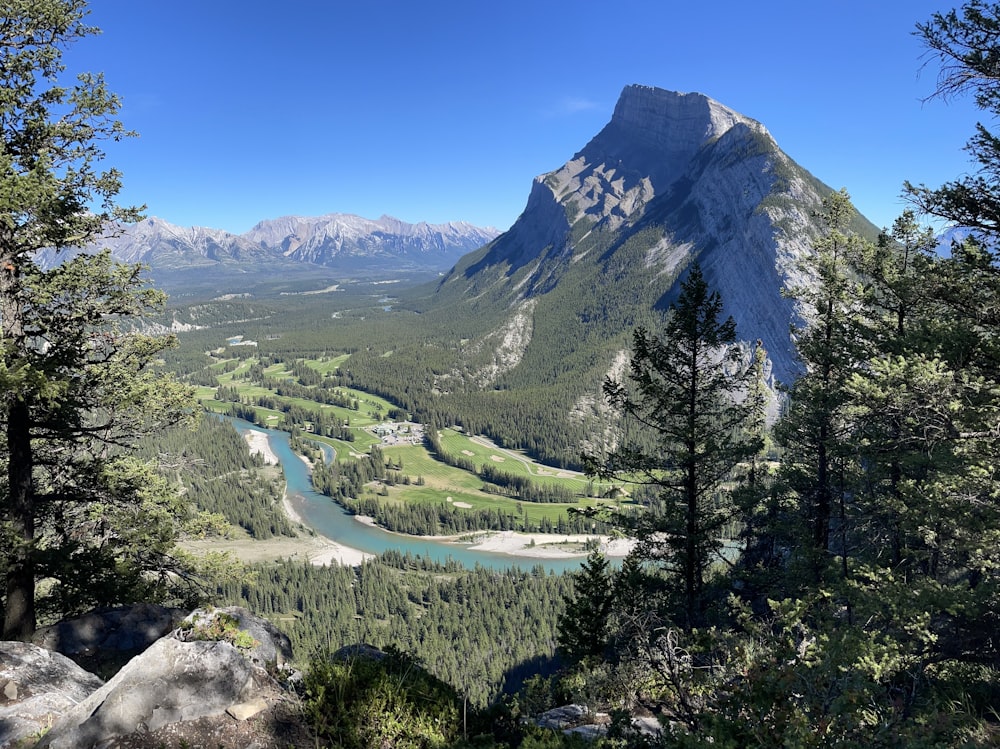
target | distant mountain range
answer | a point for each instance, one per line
(956, 235)
(335, 241)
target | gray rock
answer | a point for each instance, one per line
(271, 648)
(36, 687)
(647, 725)
(561, 718)
(171, 682)
(129, 629)
(590, 731)
(217, 661)
(581, 721)
(246, 710)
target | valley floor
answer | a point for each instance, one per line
(320, 550)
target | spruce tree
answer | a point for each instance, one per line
(816, 467)
(966, 44)
(584, 626)
(683, 409)
(76, 379)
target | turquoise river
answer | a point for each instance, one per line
(327, 518)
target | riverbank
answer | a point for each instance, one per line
(533, 545)
(551, 545)
(540, 546)
(261, 445)
(317, 549)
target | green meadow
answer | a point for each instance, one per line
(432, 481)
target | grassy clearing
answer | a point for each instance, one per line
(203, 393)
(225, 378)
(483, 452)
(269, 416)
(326, 366)
(441, 483)
(462, 500)
(418, 462)
(277, 371)
(362, 443)
(444, 483)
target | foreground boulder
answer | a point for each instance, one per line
(260, 641)
(205, 682)
(171, 682)
(104, 640)
(36, 685)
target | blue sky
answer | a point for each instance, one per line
(443, 110)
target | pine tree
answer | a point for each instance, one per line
(76, 382)
(683, 411)
(583, 627)
(966, 43)
(816, 467)
(896, 396)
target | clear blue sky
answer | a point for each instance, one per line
(444, 110)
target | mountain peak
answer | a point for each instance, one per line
(673, 120)
(650, 141)
(671, 178)
(337, 240)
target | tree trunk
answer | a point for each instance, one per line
(19, 510)
(19, 613)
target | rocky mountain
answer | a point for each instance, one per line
(604, 239)
(335, 241)
(328, 239)
(957, 235)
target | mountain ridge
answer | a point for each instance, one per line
(331, 240)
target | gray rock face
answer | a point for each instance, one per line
(579, 720)
(172, 681)
(36, 686)
(271, 647)
(561, 718)
(672, 178)
(126, 629)
(196, 672)
(656, 133)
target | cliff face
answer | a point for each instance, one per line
(651, 139)
(672, 177)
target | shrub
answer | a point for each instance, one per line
(389, 702)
